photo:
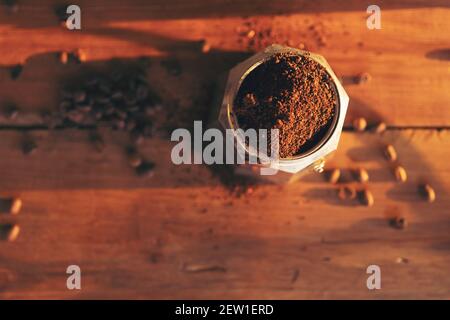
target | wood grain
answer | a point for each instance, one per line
(132, 240)
(407, 59)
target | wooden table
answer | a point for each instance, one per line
(182, 234)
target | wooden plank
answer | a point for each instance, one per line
(407, 61)
(132, 239)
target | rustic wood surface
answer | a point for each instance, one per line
(182, 233)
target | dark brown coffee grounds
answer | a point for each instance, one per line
(291, 93)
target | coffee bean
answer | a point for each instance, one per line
(28, 147)
(10, 205)
(206, 47)
(80, 55)
(390, 153)
(16, 71)
(11, 111)
(136, 137)
(366, 198)
(427, 192)
(333, 175)
(134, 159)
(363, 77)
(97, 140)
(64, 57)
(250, 100)
(145, 169)
(400, 174)
(251, 34)
(399, 222)
(360, 124)
(15, 206)
(347, 192)
(79, 96)
(380, 128)
(362, 175)
(9, 232)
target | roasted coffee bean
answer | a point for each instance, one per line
(250, 100)
(347, 192)
(64, 57)
(136, 137)
(10, 205)
(360, 124)
(399, 222)
(380, 127)
(80, 55)
(9, 232)
(427, 192)
(361, 175)
(75, 116)
(390, 153)
(145, 169)
(134, 159)
(79, 96)
(206, 47)
(11, 111)
(363, 77)
(97, 140)
(400, 174)
(29, 147)
(16, 71)
(333, 175)
(366, 198)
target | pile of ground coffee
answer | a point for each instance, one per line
(291, 93)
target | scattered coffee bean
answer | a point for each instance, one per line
(145, 169)
(206, 47)
(251, 34)
(250, 100)
(134, 159)
(29, 147)
(11, 111)
(333, 175)
(15, 206)
(366, 198)
(9, 232)
(398, 222)
(361, 175)
(427, 192)
(380, 127)
(400, 174)
(402, 260)
(347, 192)
(15, 71)
(360, 124)
(390, 153)
(10, 205)
(97, 140)
(64, 57)
(363, 77)
(80, 55)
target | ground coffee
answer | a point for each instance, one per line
(291, 93)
